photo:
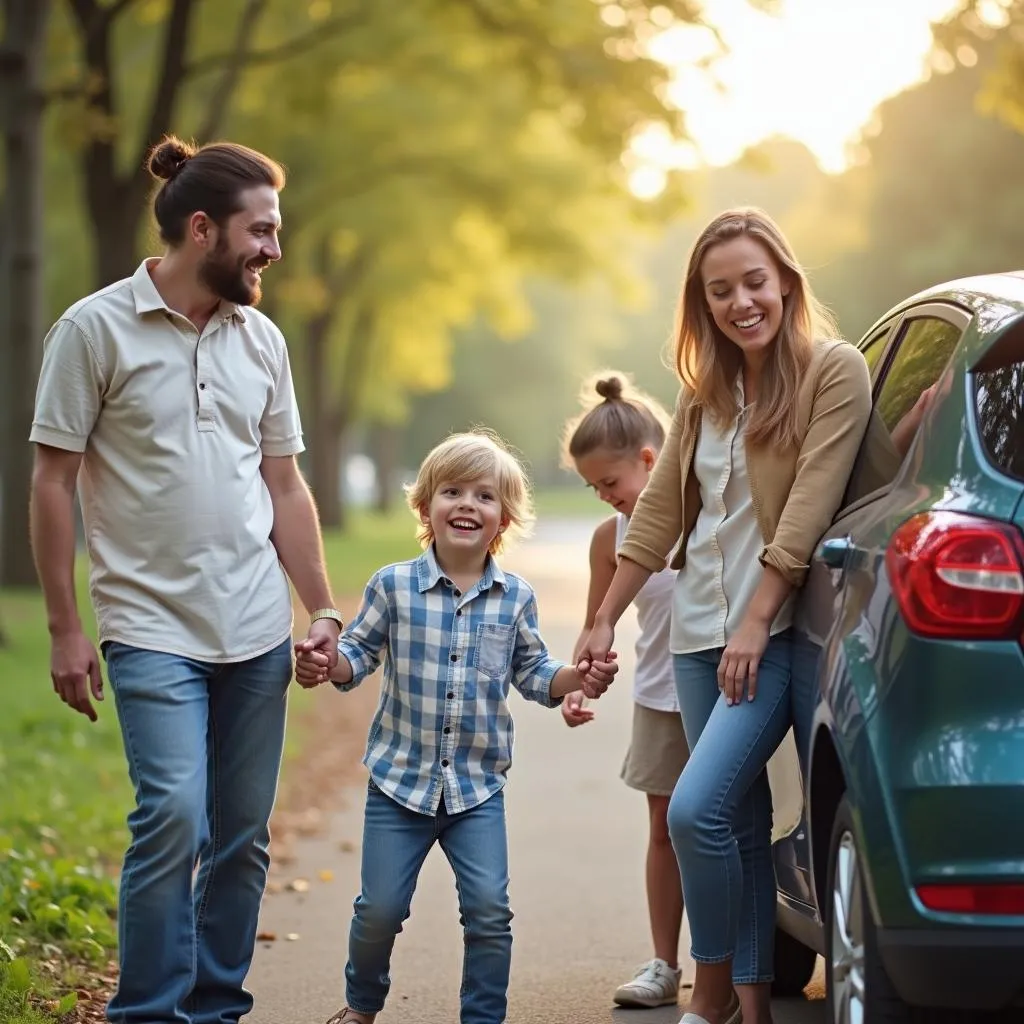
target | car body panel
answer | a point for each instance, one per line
(925, 737)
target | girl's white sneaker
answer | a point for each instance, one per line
(654, 984)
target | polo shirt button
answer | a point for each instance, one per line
(455, 657)
(444, 763)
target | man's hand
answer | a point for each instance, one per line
(323, 637)
(574, 712)
(312, 666)
(75, 671)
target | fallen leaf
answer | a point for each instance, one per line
(266, 936)
(299, 885)
(347, 846)
(292, 936)
(326, 875)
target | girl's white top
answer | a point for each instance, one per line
(653, 682)
(722, 568)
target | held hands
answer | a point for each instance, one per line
(596, 676)
(317, 654)
(312, 665)
(740, 659)
(574, 710)
(595, 662)
(75, 672)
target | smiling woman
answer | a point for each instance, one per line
(815, 72)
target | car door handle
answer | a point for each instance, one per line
(836, 551)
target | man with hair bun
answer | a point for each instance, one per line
(167, 399)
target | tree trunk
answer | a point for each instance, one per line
(327, 452)
(384, 452)
(116, 201)
(21, 63)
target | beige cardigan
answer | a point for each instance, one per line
(795, 492)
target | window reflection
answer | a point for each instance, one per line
(1000, 403)
(924, 350)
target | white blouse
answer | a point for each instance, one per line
(654, 683)
(722, 571)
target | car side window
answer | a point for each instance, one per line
(925, 347)
(874, 348)
(924, 350)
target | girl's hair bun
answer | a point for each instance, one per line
(609, 388)
(168, 158)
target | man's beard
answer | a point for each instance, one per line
(225, 277)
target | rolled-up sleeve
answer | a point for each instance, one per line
(364, 640)
(533, 668)
(657, 521)
(839, 416)
(281, 427)
(70, 391)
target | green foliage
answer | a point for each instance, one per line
(26, 1000)
(440, 151)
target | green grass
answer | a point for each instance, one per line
(577, 501)
(66, 793)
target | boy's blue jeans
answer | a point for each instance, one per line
(396, 842)
(203, 743)
(720, 814)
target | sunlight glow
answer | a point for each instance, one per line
(814, 72)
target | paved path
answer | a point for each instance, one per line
(577, 838)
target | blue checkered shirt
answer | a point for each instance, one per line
(443, 722)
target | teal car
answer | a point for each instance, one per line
(906, 872)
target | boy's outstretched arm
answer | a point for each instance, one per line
(538, 676)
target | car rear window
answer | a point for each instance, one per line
(999, 394)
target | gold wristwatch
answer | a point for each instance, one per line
(327, 613)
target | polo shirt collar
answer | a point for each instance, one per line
(149, 300)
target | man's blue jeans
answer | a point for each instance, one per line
(720, 814)
(203, 743)
(396, 842)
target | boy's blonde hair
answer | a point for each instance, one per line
(617, 417)
(707, 362)
(463, 458)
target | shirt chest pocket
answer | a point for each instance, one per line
(493, 654)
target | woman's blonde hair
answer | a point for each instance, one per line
(617, 417)
(463, 458)
(707, 362)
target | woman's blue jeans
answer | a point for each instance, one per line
(203, 743)
(720, 814)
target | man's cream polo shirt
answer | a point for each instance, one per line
(173, 426)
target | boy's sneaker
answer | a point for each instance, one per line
(346, 1015)
(654, 984)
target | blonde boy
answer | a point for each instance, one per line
(455, 632)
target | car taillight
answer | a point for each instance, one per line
(991, 898)
(957, 576)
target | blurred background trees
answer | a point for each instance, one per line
(461, 240)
